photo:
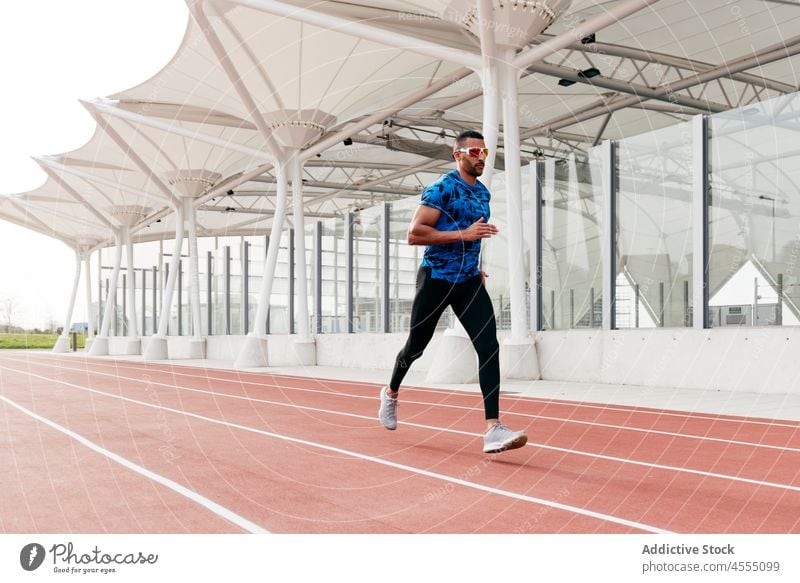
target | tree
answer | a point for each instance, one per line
(51, 324)
(9, 308)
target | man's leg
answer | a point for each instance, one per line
(473, 307)
(429, 303)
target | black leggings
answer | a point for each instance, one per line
(472, 306)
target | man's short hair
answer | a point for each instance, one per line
(464, 136)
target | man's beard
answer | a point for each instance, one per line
(473, 170)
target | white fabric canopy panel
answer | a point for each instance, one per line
(287, 67)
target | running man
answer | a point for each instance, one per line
(451, 220)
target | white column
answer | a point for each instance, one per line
(254, 350)
(519, 356)
(62, 344)
(157, 346)
(491, 128)
(88, 283)
(100, 344)
(455, 355)
(133, 329)
(197, 344)
(510, 83)
(489, 81)
(133, 343)
(301, 288)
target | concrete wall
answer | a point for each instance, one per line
(762, 360)
(223, 347)
(373, 351)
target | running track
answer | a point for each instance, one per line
(101, 446)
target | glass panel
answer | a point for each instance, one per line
(654, 214)
(311, 269)
(572, 207)
(754, 279)
(120, 302)
(153, 306)
(367, 291)
(138, 294)
(256, 254)
(403, 265)
(237, 289)
(334, 280)
(202, 274)
(218, 290)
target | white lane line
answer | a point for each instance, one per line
(406, 468)
(726, 418)
(446, 405)
(459, 432)
(217, 509)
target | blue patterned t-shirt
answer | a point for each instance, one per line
(460, 205)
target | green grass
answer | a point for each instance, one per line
(34, 340)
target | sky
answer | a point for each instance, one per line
(54, 53)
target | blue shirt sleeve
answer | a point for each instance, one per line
(437, 195)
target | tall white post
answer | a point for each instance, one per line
(510, 80)
(157, 346)
(303, 327)
(133, 344)
(455, 353)
(88, 283)
(133, 328)
(254, 349)
(188, 185)
(197, 344)
(489, 82)
(520, 360)
(166, 306)
(62, 344)
(100, 344)
(127, 216)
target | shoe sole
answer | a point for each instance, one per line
(389, 427)
(515, 443)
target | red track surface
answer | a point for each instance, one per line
(294, 454)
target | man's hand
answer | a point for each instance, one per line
(478, 230)
(484, 275)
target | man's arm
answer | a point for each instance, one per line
(422, 231)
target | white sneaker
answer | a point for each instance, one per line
(388, 411)
(501, 438)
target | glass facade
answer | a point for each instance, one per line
(572, 202)
(332, 274)
(754, 231)
(367, 263)
(404, 260)
(750, 258)
(654, 226)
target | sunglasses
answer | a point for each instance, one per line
(474, 152)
